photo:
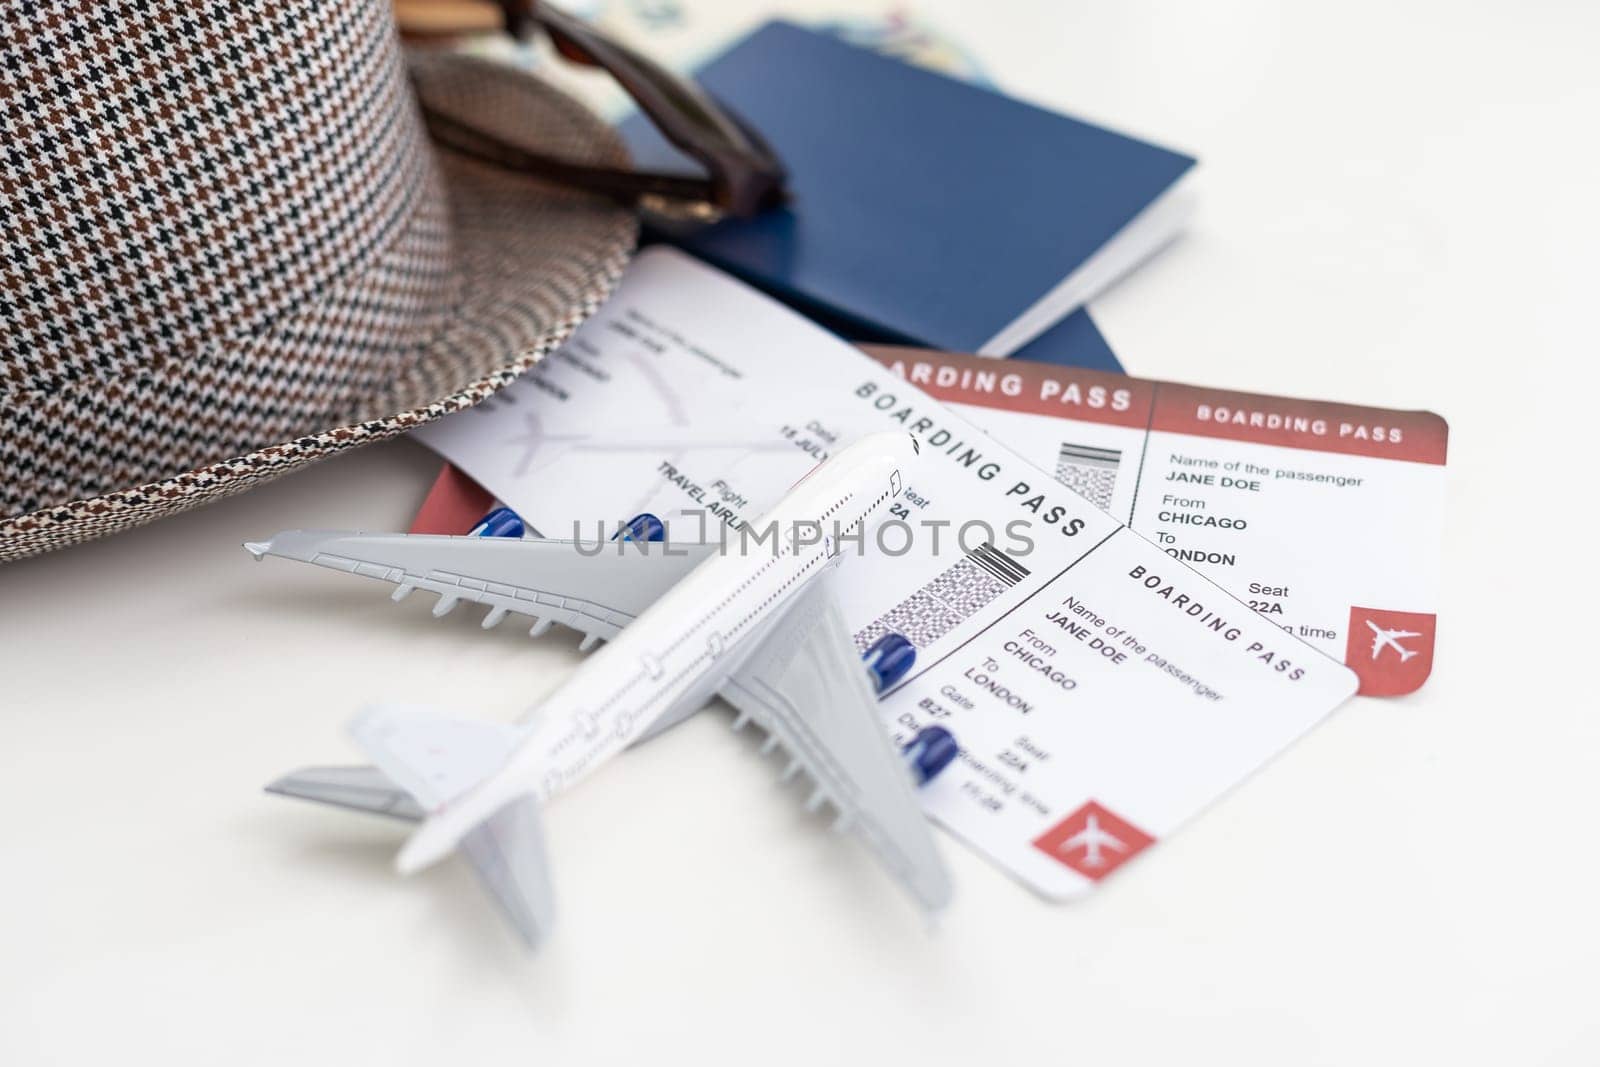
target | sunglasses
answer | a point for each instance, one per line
(743, 175)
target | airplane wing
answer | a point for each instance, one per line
(596, 589)
(805, 685)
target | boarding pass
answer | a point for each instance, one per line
(1102, 691)
(1325, 518)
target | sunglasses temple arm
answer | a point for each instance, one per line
(624, 185)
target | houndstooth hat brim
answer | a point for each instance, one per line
(478, 276)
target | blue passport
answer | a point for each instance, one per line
(925, 210)
(1075, 341)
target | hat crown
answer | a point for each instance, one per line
(177, 176)
(228, 250)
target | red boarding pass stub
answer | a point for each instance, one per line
(1325, 518)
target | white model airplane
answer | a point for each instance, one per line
(1092, 839)
(761, 628)
(1382, 639)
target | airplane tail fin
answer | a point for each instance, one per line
(358, 788)
(507, 852)
(451, 768)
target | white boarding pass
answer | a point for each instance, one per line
(1326, 518)
(1102, 691)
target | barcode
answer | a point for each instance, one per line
(998, 564)
(1088, 471)
(949, 600)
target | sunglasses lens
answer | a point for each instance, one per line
(742, 174)
(572, 51)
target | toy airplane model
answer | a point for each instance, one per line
(682, 623)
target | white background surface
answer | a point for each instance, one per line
(1398, 209)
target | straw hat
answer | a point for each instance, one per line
(227, 249)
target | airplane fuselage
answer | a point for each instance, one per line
(687, 643)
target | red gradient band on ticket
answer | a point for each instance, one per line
(1017, 385)
(1118, 400)
(454, 505)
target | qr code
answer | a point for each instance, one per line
(1090, 472)
(950, 599)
